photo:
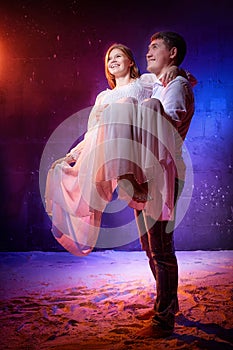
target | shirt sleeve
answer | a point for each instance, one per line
(175, 98)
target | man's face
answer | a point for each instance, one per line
(158, 57)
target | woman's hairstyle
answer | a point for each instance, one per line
(172, 39)
(134, 70)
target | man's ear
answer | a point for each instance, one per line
(173, 52)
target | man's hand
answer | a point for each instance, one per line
(99, 110)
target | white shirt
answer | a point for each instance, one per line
(177, 99)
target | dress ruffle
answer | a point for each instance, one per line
(129, 138)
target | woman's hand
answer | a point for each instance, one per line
(169, 75)
(173, 72)
(69, 159)
(58, 161)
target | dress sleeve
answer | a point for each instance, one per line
(100, 96)
(189, 76)
(92, 121)
(148, 78)
(147, 81)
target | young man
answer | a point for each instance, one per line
(176, 102)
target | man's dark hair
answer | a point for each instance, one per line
(172, 39)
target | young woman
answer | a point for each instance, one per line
(80, 185)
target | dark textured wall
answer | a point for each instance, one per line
(51, 66)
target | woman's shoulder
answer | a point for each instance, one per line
(101, 95)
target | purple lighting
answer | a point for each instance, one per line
(51, 66)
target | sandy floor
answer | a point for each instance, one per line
(58, 301)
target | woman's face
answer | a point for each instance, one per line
(118, 63)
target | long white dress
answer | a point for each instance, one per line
(117, 142)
